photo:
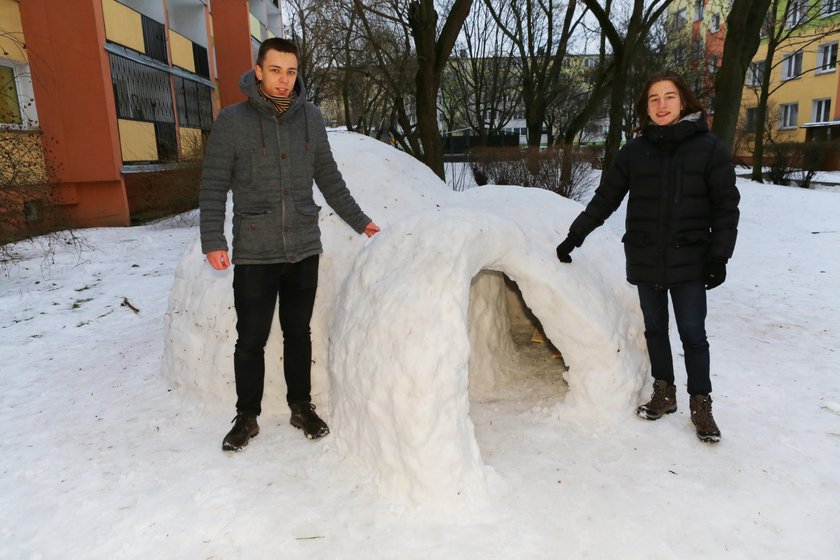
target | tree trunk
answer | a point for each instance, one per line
(613, 141)
(761, 116)
(743, 35)
(432, 54)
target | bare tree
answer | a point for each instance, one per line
(624, 48)
(307, 25)
(479, 89)
(386, 40)
(540, 39)
(433, 48)
(743, 35)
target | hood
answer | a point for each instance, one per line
(674, 134)
(248, 86)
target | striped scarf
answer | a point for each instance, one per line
(280, 103)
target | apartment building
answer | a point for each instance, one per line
(120, 94)
(804, 84)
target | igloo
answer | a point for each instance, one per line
(409, 323)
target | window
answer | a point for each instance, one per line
(194, 103)
(752, 119)
(792, 66)
(9, 99)
(715, 23)
(755, 74)
(822, 110)
(797, 11)
(827, 58)
(830, 7)
(698, 10)
(789, 115)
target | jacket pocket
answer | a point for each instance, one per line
(255, 234)
(691, 239)
(635, 239)
(308, 212)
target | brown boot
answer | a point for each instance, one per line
(244, 428)
(701, 416)
(306, 419)
(662, 401)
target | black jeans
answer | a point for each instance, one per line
(256, 290)
(690, 312)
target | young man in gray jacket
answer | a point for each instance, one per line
(268, 150)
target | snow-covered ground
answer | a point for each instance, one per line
(103, 459)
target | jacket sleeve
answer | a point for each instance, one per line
(329, 179)
(607, 199)
(723, 199)
(215, 182)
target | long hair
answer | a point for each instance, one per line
(687, 97)
(276, 44)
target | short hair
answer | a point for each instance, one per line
(687, 97)
(276, 44)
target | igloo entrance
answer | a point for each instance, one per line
(511, 358)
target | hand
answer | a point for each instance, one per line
(219, 260)
(714, 273)
(565, 248)
(371, 229)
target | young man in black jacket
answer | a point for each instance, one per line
(682, 220)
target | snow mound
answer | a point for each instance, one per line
(413, 321)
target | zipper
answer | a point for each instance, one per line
(280, 185)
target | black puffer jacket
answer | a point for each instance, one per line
(683, 206)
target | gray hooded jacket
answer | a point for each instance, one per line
(269, 161)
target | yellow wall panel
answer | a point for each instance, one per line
(255, 27)
(182, 51)
(137, 141)
(123, 25)
(191, 146)
(11, 41)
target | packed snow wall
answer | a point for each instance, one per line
(393, 322)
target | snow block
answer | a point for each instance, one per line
(393, 320)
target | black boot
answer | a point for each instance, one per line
(244, 428)
(663, 401)
(701, 417)
(305, 418)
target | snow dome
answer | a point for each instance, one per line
(412, 324)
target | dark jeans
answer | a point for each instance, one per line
(256, 290)
(690, 312)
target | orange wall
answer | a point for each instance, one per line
(73, 92)
(232, 38)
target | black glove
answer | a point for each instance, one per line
(714, 273)
(567, 246)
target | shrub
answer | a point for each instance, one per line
(798, 162)
(565, 170)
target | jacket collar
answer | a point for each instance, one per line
(248, 86)
(671, 136)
